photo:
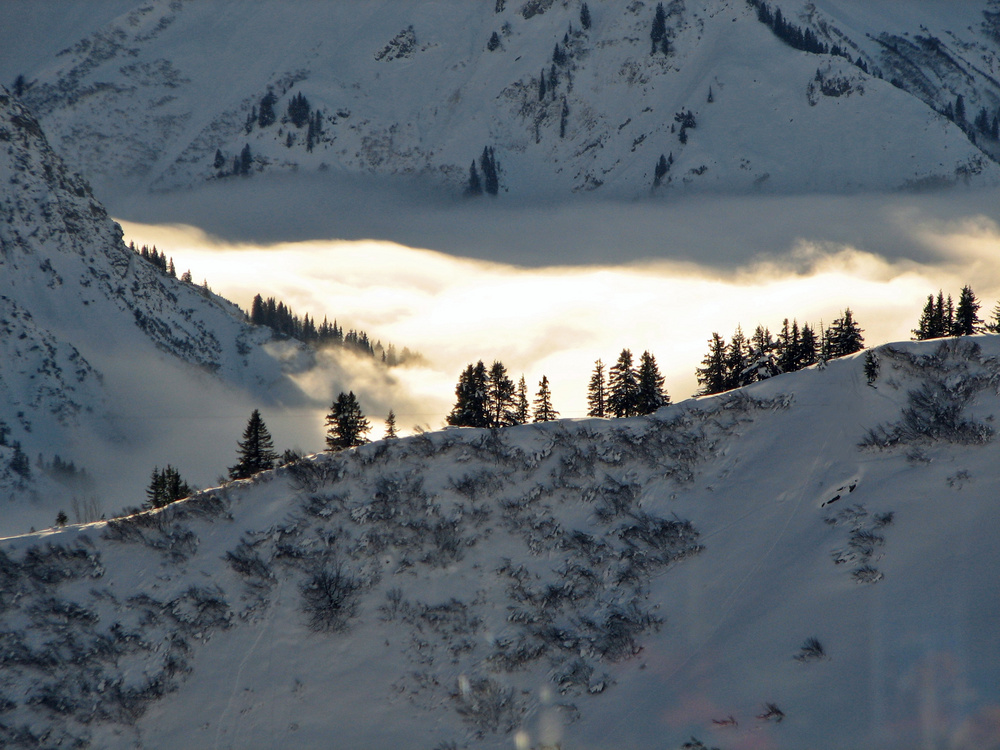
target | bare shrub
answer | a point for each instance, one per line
(330, 599)
(811, 650)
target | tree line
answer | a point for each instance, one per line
(282, 320)
(488, 397)
(742, 361)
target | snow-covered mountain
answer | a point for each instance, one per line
(806, 562)
(174, 93)
(97, 343)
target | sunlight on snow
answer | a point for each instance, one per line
(557, 321)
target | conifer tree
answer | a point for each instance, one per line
(543, 403)
(650, 395)
(737, 361)
(713, 375)
(266, 115)
(844, 336)
(475, 186)
(472, 399)
(501, 396)
(623, 389)
(929, 325)
(660, 171)
(390, 426)
(521, 408)
(658, 33)
(220, 160)
(541, 86)
(346, 424)
(585, 17)
(494, 43)
(597, 392)
(245, 161)
(807, 347)
(165, 487)
(966, 315)
(255, 451)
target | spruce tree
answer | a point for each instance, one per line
(500, 402)
(390, 426)
(713, 375)
(521, 408)
(585, 17)
(266, 115)
(623, 389)
(966, 315)
(255, 451)
(472, 399)
(807, 347)
(650, 395)
(346, 424)
(928, 327)
(475, 186)
(543, 403)
(165, 487)
(737, 361)
(844, 336)
(245, 161)
(660, 171)
(597, 392)
(494, 43)
(658, 33)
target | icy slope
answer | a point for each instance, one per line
(93, 336)
(731, 572)
(169, 95)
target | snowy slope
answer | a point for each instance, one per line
(412, 90)
(638, 583)
(93, 336)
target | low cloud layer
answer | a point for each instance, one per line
(555, 320)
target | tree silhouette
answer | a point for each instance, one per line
(346, 426)
(255, 451)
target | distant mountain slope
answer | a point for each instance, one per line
(77, 308)
(174, 94)
(806, 562)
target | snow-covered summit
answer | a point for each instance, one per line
(173, 94)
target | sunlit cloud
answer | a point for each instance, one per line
(558, 320)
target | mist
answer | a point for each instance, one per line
(665, 292)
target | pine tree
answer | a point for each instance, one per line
(658, 33)
(488, 166)
(475, 187)
(714, 374)
(521, 409)
(929, 326)
(245, 161)
(298, 110)
(585, 17)
(737, 358)
(346, 426)
(807, 348)
(266, 115)
(165, 487)
(390, 426)
(993, 325)
(541, 86)
(597, 392)
(494, 43)
(472, 399)
(500, 396)
(563, 118)
(651, 395)
(844, 336)
(255, 451)
(660, 171)
(220, 160)
(543, 403)
(61, 519)
(966, 315)
(623, 389)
